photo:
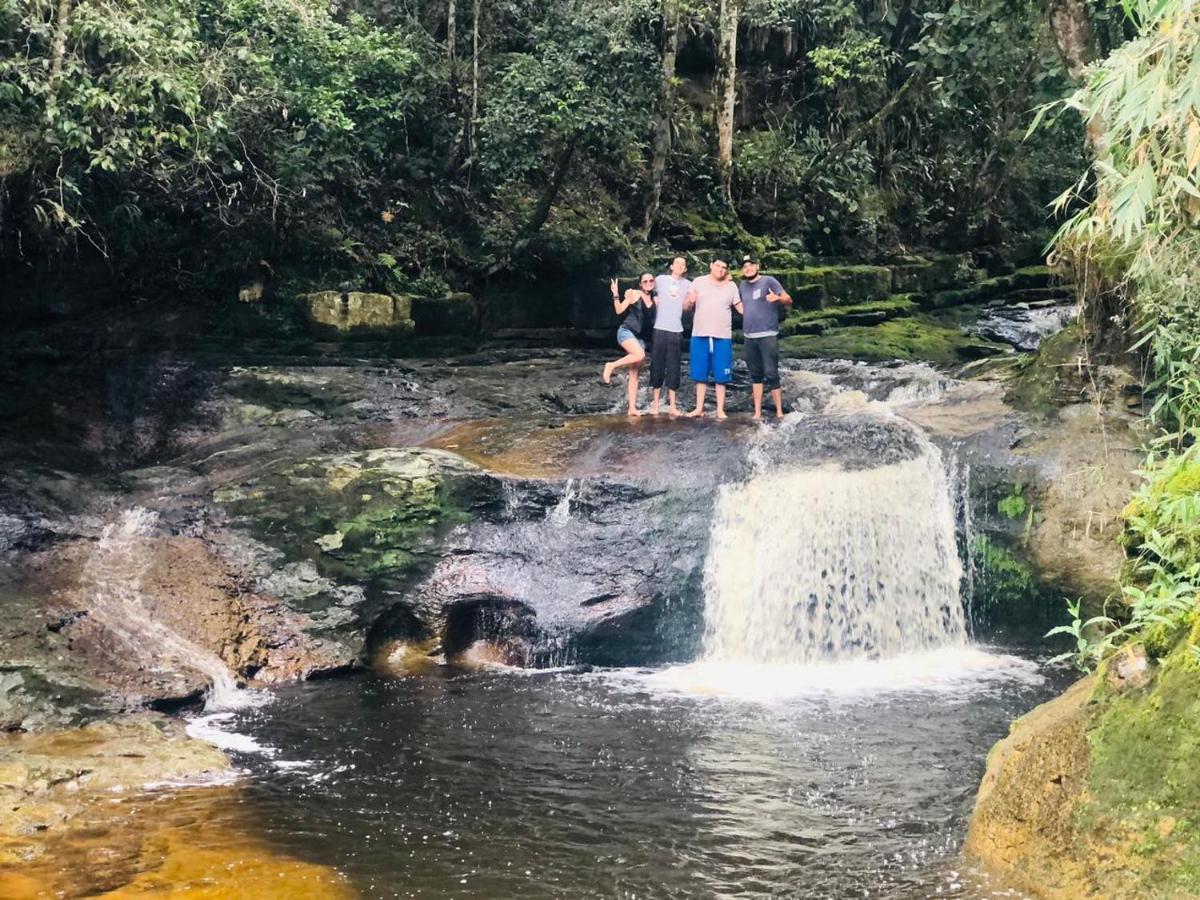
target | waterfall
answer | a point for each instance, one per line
(561, 513)
(112, 578)
(829, 564)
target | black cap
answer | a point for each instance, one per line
(749, 258)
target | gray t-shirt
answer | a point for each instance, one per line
(670, 292)
(760, 317)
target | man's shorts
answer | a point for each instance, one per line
(711, 359)
(762, 359)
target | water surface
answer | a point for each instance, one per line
(622, 783)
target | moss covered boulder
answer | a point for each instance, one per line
(819, 286)
(1097, 793)
(454, 314)
(358, 314)
(818, 321)
(913, 338)
(365, 515)
(921, 275)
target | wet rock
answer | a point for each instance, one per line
(401, 659)
(1022, 326)
(48, 779)
(93, 627)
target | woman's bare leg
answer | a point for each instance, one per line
(634, 354)
(634, 373)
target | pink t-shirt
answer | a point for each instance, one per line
(714, 300)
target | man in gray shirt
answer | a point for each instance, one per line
(670, 291)
(763, 299)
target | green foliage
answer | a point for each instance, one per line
(859, 59)
(1141, 214)
(1093, 638)
(1143, 780)
(1012, 506)
(186, 140)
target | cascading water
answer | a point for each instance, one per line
(113, 576)
(828, 564)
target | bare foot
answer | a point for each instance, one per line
(695, 413)
(634, 412)
(673, 413)
(757, 417)
(654, 410)
(722, 415)
(608, 370)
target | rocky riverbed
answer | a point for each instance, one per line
(287, 520)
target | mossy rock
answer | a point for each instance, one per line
(534, 305)
(925, 276)
(821, 320)
(1032, 277)
(909, 338)
(1143, 790)
(836, 285)
(1050, 378)
(333, 315)
(454, 314)
(370, 514)
(1006, 587)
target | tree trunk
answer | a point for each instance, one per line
(541, 212)
(1079, 46)
(58, 46)
(474, 115)
(1074, 35)
(727, 24)
(672, 28)
(456, 98)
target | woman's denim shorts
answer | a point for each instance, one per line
(624, 334)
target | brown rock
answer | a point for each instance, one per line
(1022, 828)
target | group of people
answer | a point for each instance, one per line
(652, 317)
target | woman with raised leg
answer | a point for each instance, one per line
(637, 307)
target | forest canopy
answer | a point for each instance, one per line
(400, 143)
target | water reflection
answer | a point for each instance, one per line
(552, 785)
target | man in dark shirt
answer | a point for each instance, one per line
(763, 299)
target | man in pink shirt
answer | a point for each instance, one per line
(714, 296)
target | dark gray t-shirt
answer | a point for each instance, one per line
(760, 317)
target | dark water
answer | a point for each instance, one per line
(501, 784)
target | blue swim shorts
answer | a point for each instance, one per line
(711, 360)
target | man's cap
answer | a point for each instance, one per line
(749, 258)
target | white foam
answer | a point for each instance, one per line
(950, 669)
(211, 728)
